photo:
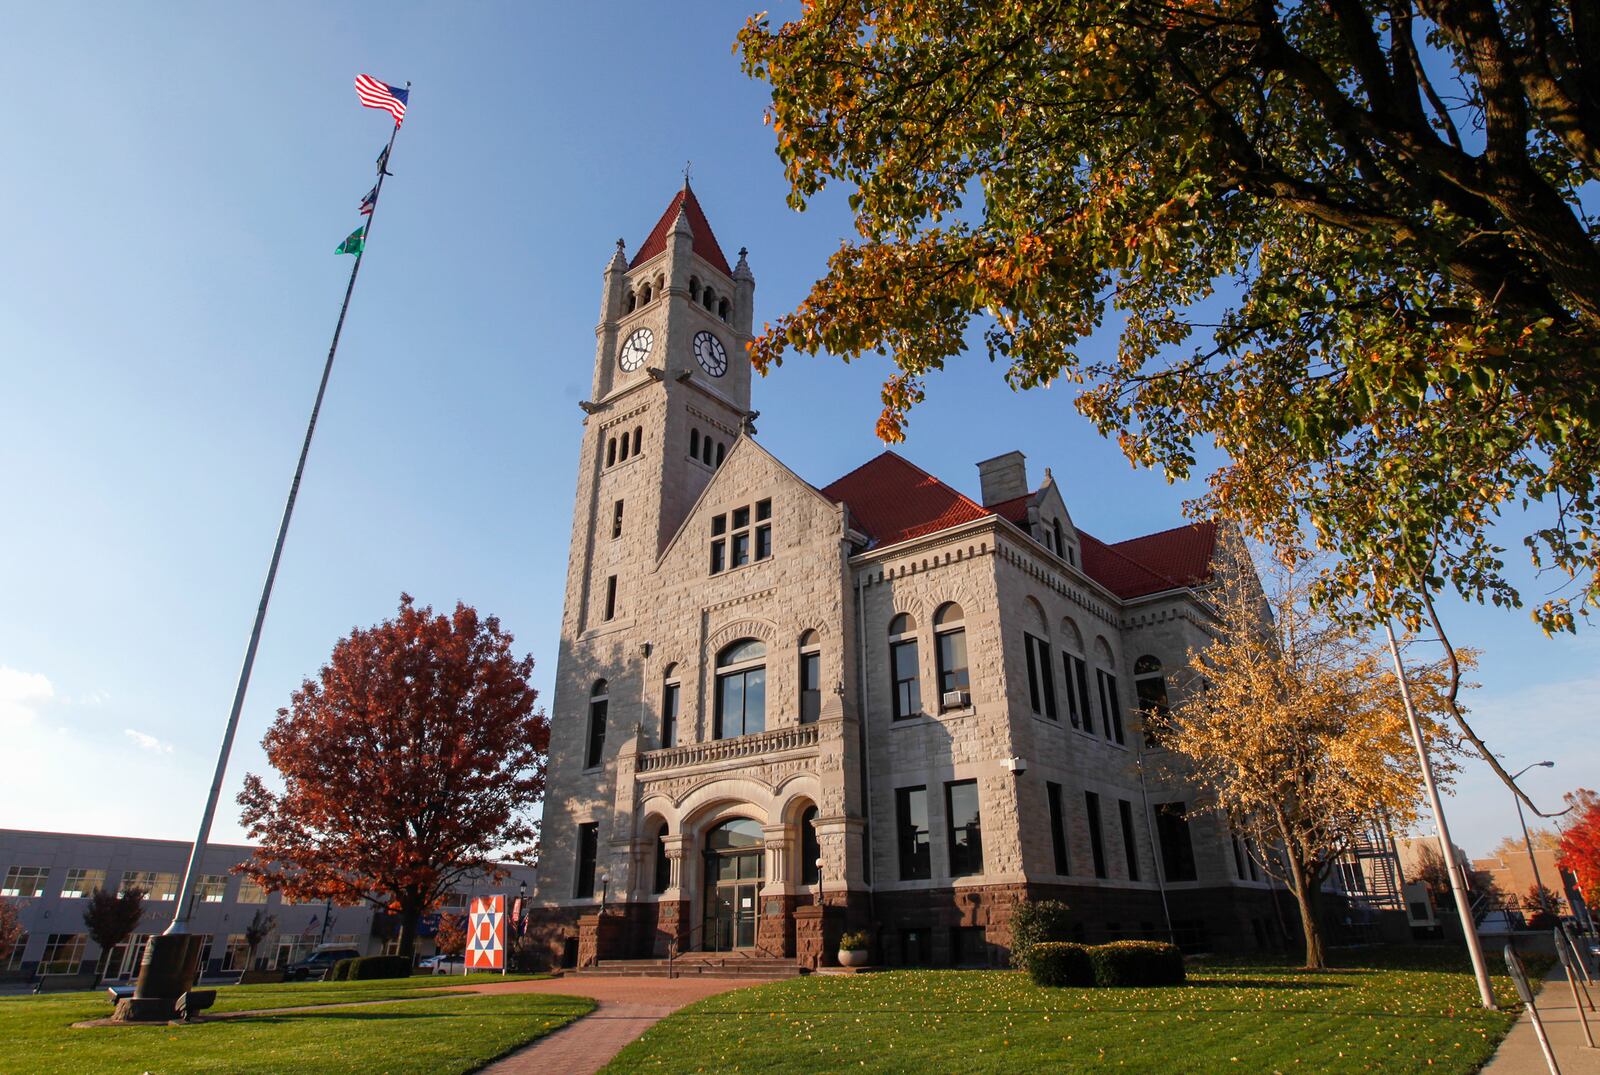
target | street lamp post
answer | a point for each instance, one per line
(1538, 885)
(605, 888)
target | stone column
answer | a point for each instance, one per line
(674, 921)
(775, 915)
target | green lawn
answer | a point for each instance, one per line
(440, 1033)
(1416, 1008)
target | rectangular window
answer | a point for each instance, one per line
(670, 701)
(18, 950)
(1077, 691)
(1177, 846)
(719, 547)
(907, 686)
(1110, 704)
(965, 828)
(616, 519)
(63, 954)
(1130, 845)
(741, 703)
(911, 815)
(162, 887)
(1097, 843)
(810, 687)
(611, 597)
(597, 733)
(213, 888)
(952, 654)
(1058, 829)
(81, 883)
(237, 954)
(250, 892)
(1238, 858)
(763, 529)
(741, 548)
(25, 882)
(741, 518)
(588, 852)
(1041, 677)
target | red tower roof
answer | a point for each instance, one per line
(705, 243)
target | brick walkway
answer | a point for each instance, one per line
(627, 1008)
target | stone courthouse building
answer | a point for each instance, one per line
(783, 710)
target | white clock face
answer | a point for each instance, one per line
(636, 349)
(709, 350)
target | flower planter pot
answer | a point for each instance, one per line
(857, 957)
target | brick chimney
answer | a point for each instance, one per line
(1005, 477)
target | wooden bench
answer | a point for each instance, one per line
(66, 983)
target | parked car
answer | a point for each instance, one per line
(318, 962)
(440, 965)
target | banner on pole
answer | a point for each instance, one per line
(486, 929)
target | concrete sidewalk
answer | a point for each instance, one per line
(1519, 1054)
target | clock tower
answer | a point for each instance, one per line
(671, 394)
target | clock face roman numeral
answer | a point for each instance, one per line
(713, 357)
(636, 349)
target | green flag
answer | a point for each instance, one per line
(353, 245)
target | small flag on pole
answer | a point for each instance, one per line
(355, 243)
(375, 94)
(369, 201)
(383, 162)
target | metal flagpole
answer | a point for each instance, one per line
(180, 917)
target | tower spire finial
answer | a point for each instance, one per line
(687, 166)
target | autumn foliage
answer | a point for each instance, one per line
(111, 918)
(1580, 844)
(1298, 735)
(10, 928)
(412, 759)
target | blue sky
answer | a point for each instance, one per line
(176, 178)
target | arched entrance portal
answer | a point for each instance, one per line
(734, 856)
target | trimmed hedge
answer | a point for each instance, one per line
(340, 971)
(1033, 921)
(368, 967)
(1060, 963)
(1137, 963)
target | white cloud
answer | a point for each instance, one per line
(148, 742)
(21, 695)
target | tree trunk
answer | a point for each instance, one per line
(410, 917)
(1308, 895)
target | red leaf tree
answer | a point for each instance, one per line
(413, 758)
(10, 928)
(1580, 843)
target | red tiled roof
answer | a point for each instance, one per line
(893, 500)
(705, 243)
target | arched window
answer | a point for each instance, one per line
(907, 700)
(611, 451)
(644, 295)
(741, 703)
(638, 438)
(663, 876)
(599, 698)
(810, 849)
(694, 443)
(671, 703)
(724, 308)
(705, 450)
(722, 451)
(739, 834)
(1041, 667)
(1110, 700)
(633, 302)
(810, 678)
(1151, 687)
(622, 449)
(1077, 675)
(950, 649)
(708, 300)
(1061, 544)
(694, 289)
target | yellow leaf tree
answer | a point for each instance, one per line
(1294, 729)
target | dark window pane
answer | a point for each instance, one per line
(1177, 846)
(669, 715)
(966, 833)
(1081, 677)
(1115, 712)
(763, 542)
(763, 510)
(1097, 843)
(719, 525)
(907, 689)
(588, 849)
(1033, 673)
(810, 687)
(616, 519)
(741, 549)
(952, 662)
(717, 554)
(911, 814)
(611, 597)
(1047, 679)
(1130, 846)
(741, 518)
(597, 734)
(755, 701)
(730, 705)
(663, 876)
(1058, 829)
(810, 850)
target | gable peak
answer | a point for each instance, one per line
(704, 242)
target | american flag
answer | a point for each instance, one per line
(368, 201)
(375, 94)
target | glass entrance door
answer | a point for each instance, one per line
(734, 861)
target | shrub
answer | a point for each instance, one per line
(341, 970)
(368, 967)
(1034, 921)
(852, 942)
(1060, 963)
(1137, 963)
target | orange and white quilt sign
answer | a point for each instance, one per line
(486, 933)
